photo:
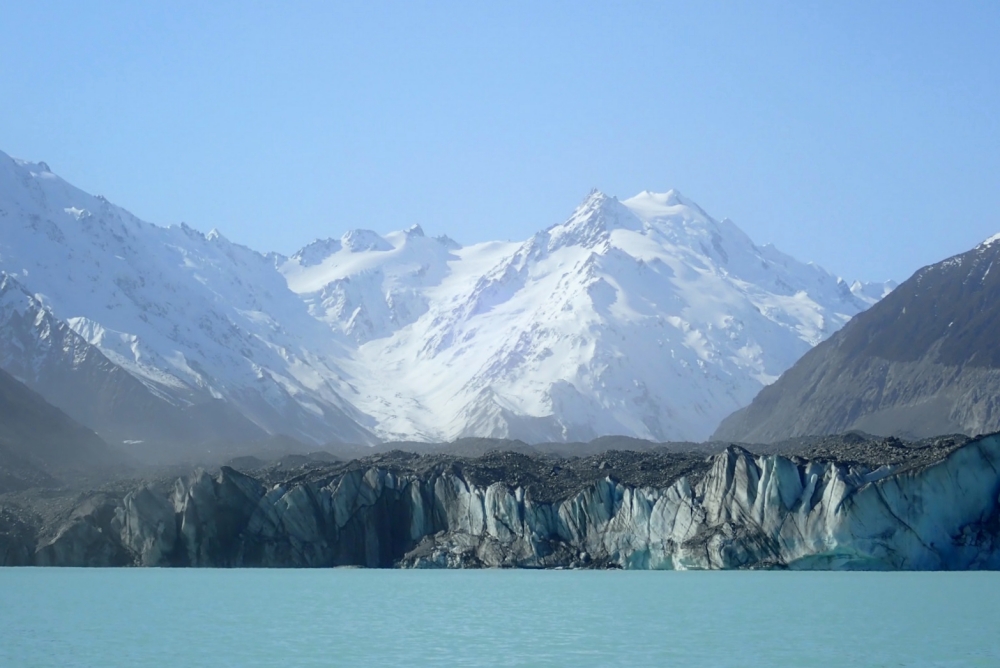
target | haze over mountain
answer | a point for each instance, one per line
(37, 440)
(644, 317)
(923, 361)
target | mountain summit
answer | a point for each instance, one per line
(645, 317)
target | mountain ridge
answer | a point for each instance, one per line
(545, 310)
(922, 361)
(643, 317)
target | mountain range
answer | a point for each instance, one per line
(922, 362)
(644, 317)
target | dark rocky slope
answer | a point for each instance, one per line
(923, 361)
(38, 442)
(855, 502)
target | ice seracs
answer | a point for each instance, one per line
(735, 510)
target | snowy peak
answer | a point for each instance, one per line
(359, 241)
(651, 206)
(592, 223)
(215, 235)
(367, 286)
(989, 242)
(448, 242)
(317, 251)
(682, 222)
(610, 322)
(553, 339)
(644, 317)
(871, 292)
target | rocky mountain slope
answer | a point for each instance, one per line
(644, 317)
(38, 441)
(923, 361)
(853, 504)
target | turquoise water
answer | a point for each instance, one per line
(151, 617)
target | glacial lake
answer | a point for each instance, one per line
(154, 617)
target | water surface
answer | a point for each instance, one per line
(160, 617)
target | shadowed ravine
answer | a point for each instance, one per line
(891, 507)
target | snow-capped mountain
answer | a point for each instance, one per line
(194, 318)
(644, 317)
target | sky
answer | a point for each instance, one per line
(861, 136)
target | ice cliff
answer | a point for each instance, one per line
(732, 510)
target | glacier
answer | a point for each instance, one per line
(732, 510)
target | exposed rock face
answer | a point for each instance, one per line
(922, 361)
(935, 508)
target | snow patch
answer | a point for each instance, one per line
(992, 240)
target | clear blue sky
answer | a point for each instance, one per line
(861, 136)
